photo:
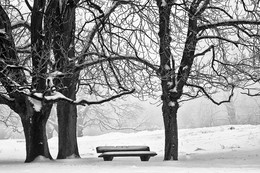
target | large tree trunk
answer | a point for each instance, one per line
(64, 48)
(34, 124)
(67, 120)
(168, 83)
(171, 131)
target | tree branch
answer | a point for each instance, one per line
(57, 96)
(6, 100)
(228, 23)
(219, 38)
(13, 67)
(202, 8)
(107, 59)
(204, 52)
(21, 23)
(84, 102)
(209, 97)
(249, 94)
(224, 11)
(28, 5)
(95, 28)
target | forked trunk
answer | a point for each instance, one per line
(171, 131)
(34, 124)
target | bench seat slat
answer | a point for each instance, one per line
(102, 149)
(128, 153)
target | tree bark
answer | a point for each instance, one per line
(168, 83)
(34, 124)
(67, 120)
(171, 131)
(63, 22)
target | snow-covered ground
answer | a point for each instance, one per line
(210, 150)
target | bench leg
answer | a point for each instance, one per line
(144, 158)
(108, 158)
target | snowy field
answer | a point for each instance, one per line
(210, 150)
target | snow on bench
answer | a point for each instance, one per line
(102, 149)
(109, 152)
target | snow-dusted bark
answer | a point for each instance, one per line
(32, 111)
(168, 83)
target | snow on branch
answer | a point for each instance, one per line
(11, 66)
(202, 8)
(57, 74)
(57, 96)
(4, 99)
(37, 103)
(49, 79)
(18, 68)
(38, 98)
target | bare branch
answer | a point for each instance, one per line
(228, 23)
(249, 94)
(204, 52)
(202, 8)
(97, 26)
(219, 38)
(21, 23)
(209, 97)
(28, 5)
(84, 102)
(13, 67)
(107, 59)
(224, 11)
(6, 100)
(56, 96)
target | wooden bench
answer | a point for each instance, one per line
(109, 152)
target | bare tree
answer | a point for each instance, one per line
(210, 27)
(13, 79)
(199, 42)
(111, 116)
(183, 48)
(29, 71)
